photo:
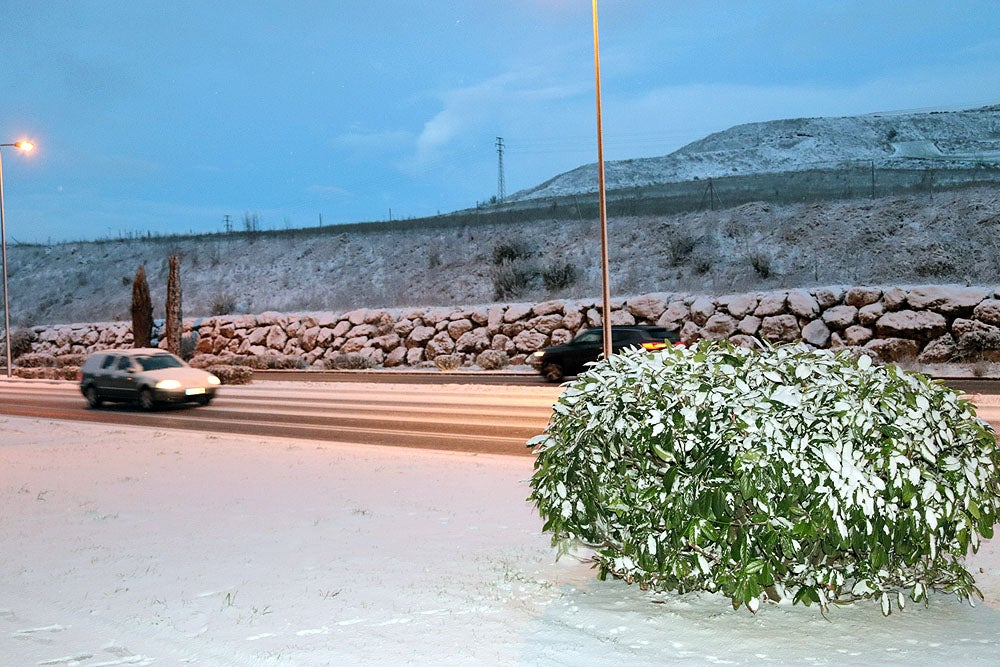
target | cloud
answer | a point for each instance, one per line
(484, 109)
(329, 191)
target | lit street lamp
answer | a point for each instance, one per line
(24, 146)
(602, 200)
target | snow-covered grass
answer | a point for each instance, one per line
(127, 545)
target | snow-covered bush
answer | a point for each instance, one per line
(782, 473)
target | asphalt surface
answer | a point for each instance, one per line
(511, 378)
(496, 420)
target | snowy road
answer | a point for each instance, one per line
(482, 419)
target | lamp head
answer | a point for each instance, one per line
(25, 146)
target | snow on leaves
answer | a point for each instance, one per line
(780, 473)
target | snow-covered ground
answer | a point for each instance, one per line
(142, 546)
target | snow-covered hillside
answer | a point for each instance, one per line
(938, 232)
(912, 141)
(934, 238)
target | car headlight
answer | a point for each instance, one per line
(168, 384)
(213, 380)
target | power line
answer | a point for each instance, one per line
(501, 184)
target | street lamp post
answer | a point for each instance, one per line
(24, 146)
(602, 200)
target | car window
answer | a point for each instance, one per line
(108, 361)
(159, 361)
(661, 334)
(588, 337)
(124, 364)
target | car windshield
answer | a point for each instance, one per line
(159, 362)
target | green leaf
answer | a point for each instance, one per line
(662, 453)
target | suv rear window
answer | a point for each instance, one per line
(661, 334)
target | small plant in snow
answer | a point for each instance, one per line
(448, 362)
(784, 473)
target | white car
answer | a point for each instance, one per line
(147, 376)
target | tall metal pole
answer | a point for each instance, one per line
(602, 200)
(22, 146)
(6, 301)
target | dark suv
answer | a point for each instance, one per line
(558, 361)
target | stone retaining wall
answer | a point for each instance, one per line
(931, 324)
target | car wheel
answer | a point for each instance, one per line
(93, 398)
(146, 401)
(553, 372)
(203, 400)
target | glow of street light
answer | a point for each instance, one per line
(25, 146)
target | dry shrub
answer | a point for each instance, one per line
(283, 361)
(70, 360)
(349, 362)
(977, 345)
(223, 304)
(492, 360)
(46, 373)
(228, 374)
(20, 342)
(206, 361)
(257, 363)
(448, 362)
(36, 360)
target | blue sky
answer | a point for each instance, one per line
(167, 116)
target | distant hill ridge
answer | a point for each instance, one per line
(936, 139)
